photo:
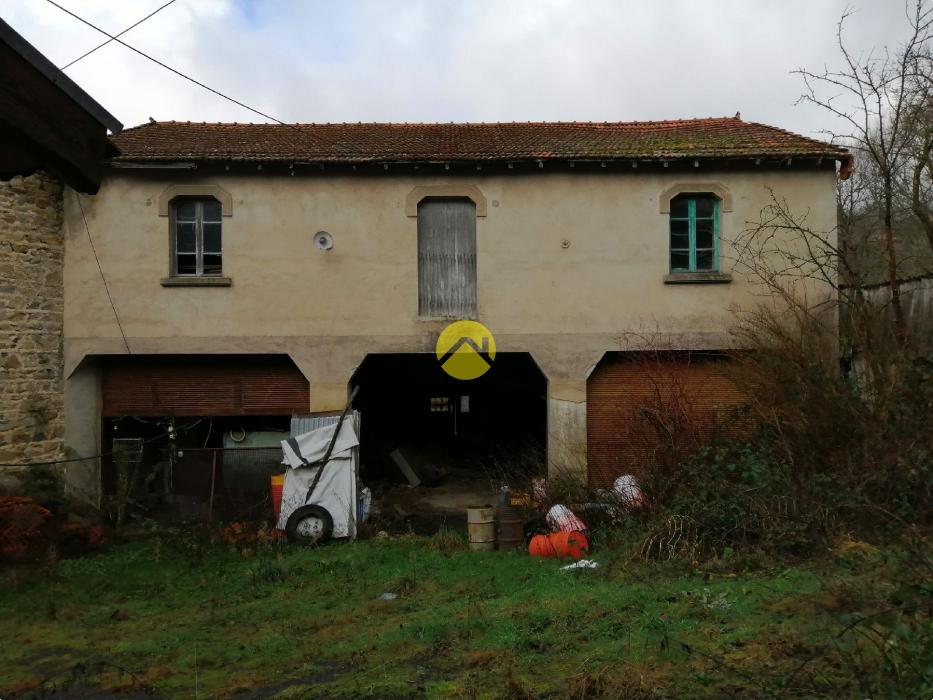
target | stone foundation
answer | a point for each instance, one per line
(31, 312)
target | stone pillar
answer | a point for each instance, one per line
(31, 312)
(82, 433)
(566, 427)
(566, 369)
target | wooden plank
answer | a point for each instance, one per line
(405, 467)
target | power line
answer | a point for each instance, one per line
(169, 68)
(102, 454)
(104, 279)
(132, 26)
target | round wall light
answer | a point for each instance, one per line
(323, 240)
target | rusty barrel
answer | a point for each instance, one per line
(481, 524)
(510, 528)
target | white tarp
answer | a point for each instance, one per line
(336, 491)
(314, 444)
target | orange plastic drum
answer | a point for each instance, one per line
(558, 545)
(540, 546)
(278, 480)
(570, 544)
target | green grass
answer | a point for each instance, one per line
(176, 616)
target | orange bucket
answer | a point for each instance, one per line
(278, 481)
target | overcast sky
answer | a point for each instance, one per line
(465, 60)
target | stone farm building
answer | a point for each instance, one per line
(200, 286)
(257, 271)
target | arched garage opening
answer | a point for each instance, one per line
(196, 435)
(462, 438)
(646, 412)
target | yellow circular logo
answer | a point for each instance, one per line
(466, 349)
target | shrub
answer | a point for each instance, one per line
(820, 449)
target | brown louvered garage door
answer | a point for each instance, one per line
(641, 410)
(198, 385)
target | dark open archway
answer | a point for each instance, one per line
(493, 427)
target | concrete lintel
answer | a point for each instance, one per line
(471, 192)
(215, 191)
(716, 188)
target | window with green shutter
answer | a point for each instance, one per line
(694, 233)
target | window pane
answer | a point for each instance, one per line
(212, 265)
(704, 206)
(704, 260)
(210, 210)
(680, 260)
(212, 238)
(680, 233)
(185, 237)
(679, 206)
(680, 226)
(680, 241)
(186, 264)
(704, 233)
(184, 209)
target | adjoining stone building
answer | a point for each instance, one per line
(52, 136)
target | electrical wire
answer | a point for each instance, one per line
(104, 279)
(102, 45)
(169, 68)
(102, 454)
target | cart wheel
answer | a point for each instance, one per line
(309, 525)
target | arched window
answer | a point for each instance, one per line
(694, 233)
(197, 248)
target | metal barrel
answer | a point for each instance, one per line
(482, 528)
(510, 528)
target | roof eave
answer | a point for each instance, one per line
(844, 159)
(29, 53)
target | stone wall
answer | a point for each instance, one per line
(31, 312)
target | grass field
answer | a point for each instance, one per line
(177, 616)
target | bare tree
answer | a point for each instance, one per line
(921, 150)
(883, 98)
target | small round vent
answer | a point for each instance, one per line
(323, 240)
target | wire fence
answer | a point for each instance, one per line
(196, 484)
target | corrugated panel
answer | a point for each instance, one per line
(199, 386)
(447, 258)
(305, 424)
(636, 407)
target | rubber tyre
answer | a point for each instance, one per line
(294, 532)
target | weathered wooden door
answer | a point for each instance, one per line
(447, 258)
(636, 405)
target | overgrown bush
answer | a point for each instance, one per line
(816, 447)
(820, 450)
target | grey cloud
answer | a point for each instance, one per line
(442, 60)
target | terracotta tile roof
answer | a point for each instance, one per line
(728, 137)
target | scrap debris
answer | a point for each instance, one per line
(582, 564)
(561, 519)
